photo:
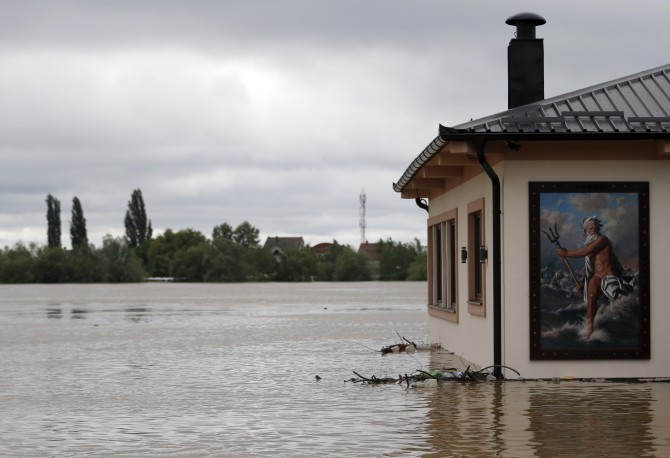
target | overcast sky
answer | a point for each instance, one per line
(277, 112)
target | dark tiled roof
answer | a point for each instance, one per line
(284, 243)
(636, 106)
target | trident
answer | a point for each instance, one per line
(553, 237)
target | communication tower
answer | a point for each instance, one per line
(361, 213)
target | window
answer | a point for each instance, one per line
(476, 265)
(442, 266)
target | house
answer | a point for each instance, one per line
(547, 225)
(321, 249)
(371, 251)
(279, 246)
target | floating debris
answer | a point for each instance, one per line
(408, 346)
(421, 378)
(374, 380)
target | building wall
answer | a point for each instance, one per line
(515, 249)
(472, 336)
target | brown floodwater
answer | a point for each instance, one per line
(230, 370)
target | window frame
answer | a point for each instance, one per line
(443, 288)
(476, 267)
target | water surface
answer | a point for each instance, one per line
(230, 370)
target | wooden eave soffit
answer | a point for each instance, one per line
(664, 148)
(445, 170)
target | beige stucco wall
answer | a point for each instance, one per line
(515, 274)
(472, 336)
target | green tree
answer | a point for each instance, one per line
(342, 263)
(246, 235)
(53, 222)
(325, 268)
(298, 265)
(195, 262)
(120, 264)
(222, 231)
(162, 251)
(225, 262)
(259, 264)
(138, 227)
(86, 265)
(17, 264)
(395, 259)
(351, 266)
(418, 269)
(78, 234)
(52, 265)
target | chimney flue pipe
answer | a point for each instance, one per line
(525, 24)
(525, 61)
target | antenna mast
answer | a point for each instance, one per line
(361, 213)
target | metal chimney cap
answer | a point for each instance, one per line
(525, 24)
(526, 18)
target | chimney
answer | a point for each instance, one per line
(525, 61)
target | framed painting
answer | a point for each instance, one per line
(589, 270)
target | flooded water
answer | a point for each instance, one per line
(230, 370)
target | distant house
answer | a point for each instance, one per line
(547, 225)
(321, 249)
(370, 250)
(279, 246)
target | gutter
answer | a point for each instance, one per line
(480, 145)
(426, 155)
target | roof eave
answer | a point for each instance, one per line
(428, 152)
(449, 134)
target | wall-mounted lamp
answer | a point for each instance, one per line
(483, 254)
(464, 255)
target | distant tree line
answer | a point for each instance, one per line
(229, 255)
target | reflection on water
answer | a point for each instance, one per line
(230, 370)
(78, 314)
(591, 418)
(137, 314)
(543, 419)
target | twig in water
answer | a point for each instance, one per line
(418, 362)
(411, 343)
(500, 365)
(361, 377)
(365, 346)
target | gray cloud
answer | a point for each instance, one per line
(275, 112)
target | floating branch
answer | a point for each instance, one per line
(372, 380)
(500, 365)
(420, 377)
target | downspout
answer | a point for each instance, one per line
(421, 203)
(480, 145)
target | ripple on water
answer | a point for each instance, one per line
(157, 375)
